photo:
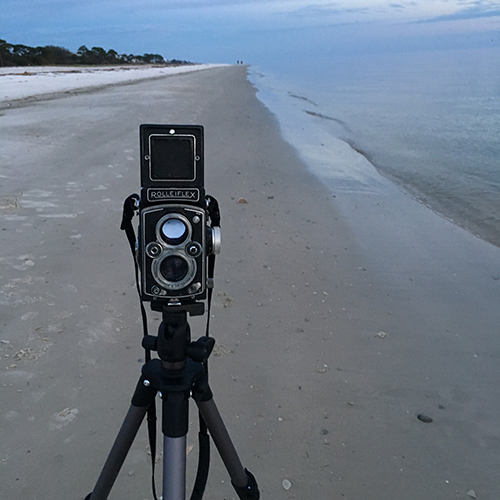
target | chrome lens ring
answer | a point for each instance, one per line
(169, 230)
(173, 270)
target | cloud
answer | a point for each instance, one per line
(211, 29)
(480, 10)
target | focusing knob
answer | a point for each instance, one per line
(213, 240)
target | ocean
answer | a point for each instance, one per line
(427, 121)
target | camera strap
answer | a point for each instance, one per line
(130, 207)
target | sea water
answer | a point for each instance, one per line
(428, 121)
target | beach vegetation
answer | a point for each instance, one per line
(50, 55)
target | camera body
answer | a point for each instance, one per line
(175, 238)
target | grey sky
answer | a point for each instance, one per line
(225, 30)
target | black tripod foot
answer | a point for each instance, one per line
(250, 491)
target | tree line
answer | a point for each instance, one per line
(50, 55)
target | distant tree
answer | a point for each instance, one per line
(112, 57)
(23, 55)
(83, 55)
(132, 59)
(82, 51)
(176, 62)
(98, 55)
(154, 59)
(53, 55)
(5, 53)
(139, 59)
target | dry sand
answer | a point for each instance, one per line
(329, 348)
(30, 83)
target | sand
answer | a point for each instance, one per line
(24, 84)
(340, 317)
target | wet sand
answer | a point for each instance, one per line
(340, 317)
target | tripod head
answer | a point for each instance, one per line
(173, 343)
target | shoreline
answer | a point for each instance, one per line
(462, 195)
(337, 325)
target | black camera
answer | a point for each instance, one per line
(175, 235)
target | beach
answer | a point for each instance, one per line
(357, 331)
(25, 84)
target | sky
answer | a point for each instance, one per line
(254, 31)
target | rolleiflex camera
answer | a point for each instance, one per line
(175, 235)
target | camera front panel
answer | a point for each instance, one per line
(172, 251)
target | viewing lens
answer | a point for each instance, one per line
(174, 268)
(174, 231)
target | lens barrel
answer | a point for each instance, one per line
(174, 231)
(174, 268)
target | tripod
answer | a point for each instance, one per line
(178, 374)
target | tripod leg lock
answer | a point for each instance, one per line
(144, 393)
(250, 491)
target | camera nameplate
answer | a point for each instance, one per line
(169, 194)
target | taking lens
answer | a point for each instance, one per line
(174, 231)
(174, 268)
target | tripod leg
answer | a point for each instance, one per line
(174, 468)
(118, 452)
(141, 400)
(242, 480)
(221, 438)
(175, 425)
